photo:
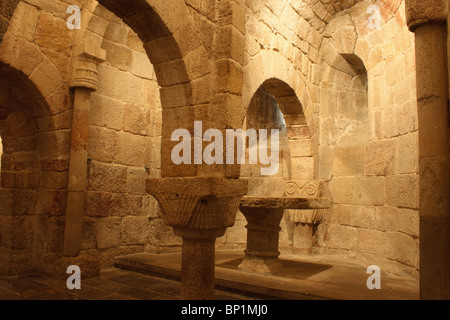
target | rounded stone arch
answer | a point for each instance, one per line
(26, 124)
(344, 107)
(37, 80)
(33, 170)
(287, 100)
(36, 75)
(180, 60)
(279, 76)
(275, 105)
(169, 35)
(18, 51)
(35, 113)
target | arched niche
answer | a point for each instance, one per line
(344, 116)
(275, 105)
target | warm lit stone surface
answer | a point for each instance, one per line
(352, 103)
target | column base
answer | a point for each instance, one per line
(262, 265)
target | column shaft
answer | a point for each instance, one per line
(263, 233)
(432, 95)
(78, 172)
(198, 269)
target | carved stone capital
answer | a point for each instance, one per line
(85, 67)
(420, 12)
(198, 203)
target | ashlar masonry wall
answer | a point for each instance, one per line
(369, 141)
(353, 123)
(357, 90)
(124, 150)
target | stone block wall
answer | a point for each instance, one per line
(35, 122)
(374, 174)
(124, 151)
(357, 90)
(353, 122)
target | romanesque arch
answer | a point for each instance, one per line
(277, 74)
(33, 169)
(177, 52)
(275, 105)
(35, 115)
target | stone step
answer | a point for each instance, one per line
(300, 278)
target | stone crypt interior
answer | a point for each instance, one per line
(358, 90)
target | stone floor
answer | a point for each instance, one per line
(113, 284)
(300, 278)
(156, 277)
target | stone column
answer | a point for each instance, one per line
(427, 19)
(264, 215)
(263, 232)
(198, 263)
(84, 81)
(302, 241)
(305, 223)
(199, 209)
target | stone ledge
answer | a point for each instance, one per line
(285, 203)
(300, 277)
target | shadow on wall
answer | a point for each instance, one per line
(31, 204)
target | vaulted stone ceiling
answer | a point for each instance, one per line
(320, 12)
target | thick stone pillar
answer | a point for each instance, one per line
(263, 233)
(199, 209)
(198, 263)
(427, 19)
(83, 83)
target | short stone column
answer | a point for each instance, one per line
(305, 224)
(199, 209)
(264, 208)
(263, 232)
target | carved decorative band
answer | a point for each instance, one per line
(311, 189)
(198, 212)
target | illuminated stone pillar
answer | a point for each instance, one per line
(428, 20)
(84, 81)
